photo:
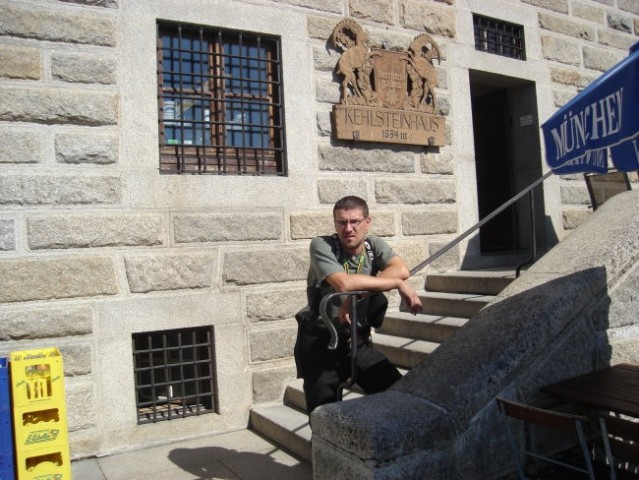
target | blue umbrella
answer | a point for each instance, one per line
(602, 118)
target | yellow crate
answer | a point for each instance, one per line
(37, 376)
(44, 427)
(44, 464)
(39, 415)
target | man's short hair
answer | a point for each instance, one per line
(351, 202)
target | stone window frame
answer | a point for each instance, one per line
(231, 81)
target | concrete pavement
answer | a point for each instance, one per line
(241, 455)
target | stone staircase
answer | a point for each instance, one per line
(449, 301)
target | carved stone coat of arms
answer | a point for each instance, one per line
(386, 95)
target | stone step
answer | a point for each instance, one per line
(402, 351)
(287, 427)
(294, 395)
(484, 282)
(287, 424)
(464, 305)
(432, 328)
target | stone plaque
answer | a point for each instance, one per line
(374, 124)
(386, 95)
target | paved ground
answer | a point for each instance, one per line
(241, 455)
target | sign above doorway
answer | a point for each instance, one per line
(386, 96)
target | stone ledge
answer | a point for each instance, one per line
(98, 149)
(412, 192)
(57, 24)
(20, 62)
(20, 146)
(51, 323)
(227, 227)
(273, 343)
(91, 231)
(147, 273)
(46, 279)
(282, 265)
(376, 431)
(59, 190)
(52, 106)
(7, 235)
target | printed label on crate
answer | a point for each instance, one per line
(37, 376)
(23, 355)
(42, 436)
(38, 381)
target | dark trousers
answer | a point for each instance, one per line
(324, 370)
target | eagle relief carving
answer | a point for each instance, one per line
(386, 95)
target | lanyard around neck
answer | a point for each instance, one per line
(360, 264)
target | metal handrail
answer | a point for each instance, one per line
(483, 221)
(332, 344)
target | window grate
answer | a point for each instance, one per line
(220, 101)
(173, 372)
(498, 37)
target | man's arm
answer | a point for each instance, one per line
(395, 268)
(392, 277)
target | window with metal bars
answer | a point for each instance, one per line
(220, 99)
(174, 374)
(499, 37)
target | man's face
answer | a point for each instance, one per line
(351, 227)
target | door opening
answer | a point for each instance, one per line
(507, 159)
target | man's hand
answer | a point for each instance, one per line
(410, 298)
(345, 311)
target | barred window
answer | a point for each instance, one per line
(499, 37)
(174, 373)
(220, 101)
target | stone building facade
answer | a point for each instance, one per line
(97, 245)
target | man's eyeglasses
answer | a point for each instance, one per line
(353, 223)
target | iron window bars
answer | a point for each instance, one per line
(174, 374)
(220, 101)
(499, 37)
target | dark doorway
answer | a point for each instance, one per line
(492, 164)
(507, 159)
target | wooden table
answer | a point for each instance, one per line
(614, 389)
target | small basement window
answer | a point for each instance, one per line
(499, 37)
(174, 374)
(220, 100)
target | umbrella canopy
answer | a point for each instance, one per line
(602, 118)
